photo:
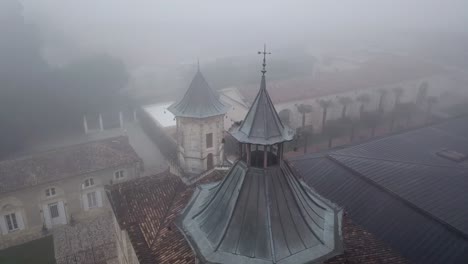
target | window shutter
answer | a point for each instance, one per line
(62, 215)
(46, 214)
(85, 202)
(19, 220)
(98, 198)
(3, 226)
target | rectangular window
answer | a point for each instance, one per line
(92, 202)
(119, 174)
(11, 222)
(50, 192)
(53, 208)
(209, 140)
(89, 182)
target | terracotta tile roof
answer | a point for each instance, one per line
(362, 247)
(65, 162)
(385, 70)
(147, 205)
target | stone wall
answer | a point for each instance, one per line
(30, 202)
(192, 142)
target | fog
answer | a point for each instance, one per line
(62, 59)
(345, 141)
(160, 32)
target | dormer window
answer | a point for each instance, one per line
(12, 223)
(88, 183)
(119, 175)
(50, 192)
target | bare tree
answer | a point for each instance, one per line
(345, 101)
(363, 99)
(430, 102)
(304, 109)
(324, 104)
(398, 93)
(422, 93)
(382, 93)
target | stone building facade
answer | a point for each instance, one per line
(200, 142)
(44, 192)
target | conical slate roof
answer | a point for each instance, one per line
(262, 124)
(199, 101)
(261, 216)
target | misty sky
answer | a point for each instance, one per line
(145, 32)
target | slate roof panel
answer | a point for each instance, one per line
(398, 190)
(262, 124)
(199, 101)
(261, 216)
(169, 245)
(417, 146)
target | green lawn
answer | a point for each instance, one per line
(40, 251)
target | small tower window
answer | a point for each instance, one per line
(209, 140)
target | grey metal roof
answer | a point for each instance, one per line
(262, 124)
(199, 101)
(396, 188)
(417, 146)
(261, 216)
(440, 191)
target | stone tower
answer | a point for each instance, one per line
(261, 213)
(199, 127)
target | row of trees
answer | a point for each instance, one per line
(37, 99)
(370, 120)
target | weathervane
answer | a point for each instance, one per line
(264, 52)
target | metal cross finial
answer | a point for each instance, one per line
(264, 52)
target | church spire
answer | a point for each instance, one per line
(264, 52)
(261, 212)
(200, 101)
(262, 124)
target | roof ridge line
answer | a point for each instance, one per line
(166, 213)
(399, 198)
(398, 161)
(268, 212)
(61, 148)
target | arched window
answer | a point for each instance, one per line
(11, 216)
